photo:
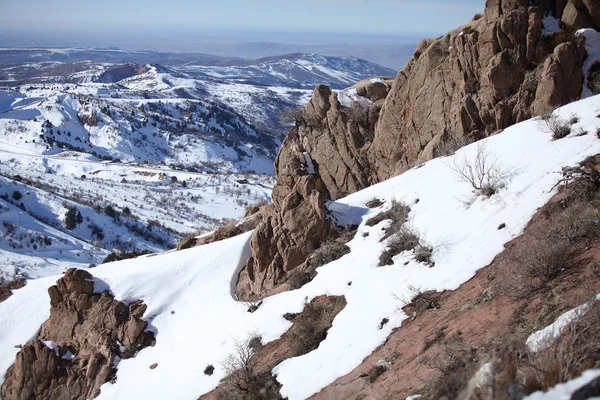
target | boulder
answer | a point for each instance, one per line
(75, 351)
(7, 288)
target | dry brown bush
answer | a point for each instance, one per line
(455, 364)
(329, 252)
(398, 214)
(310, 327)
(449, 143)
(594, 78)
(406, 239)
(419, 301)
(291, 115)
(374, 203)
(243, 382)
(543, 260)
(484, 173)
(555, 125)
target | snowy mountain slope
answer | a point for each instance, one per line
(258, 90)
(172, 130)
(296, 70)
(123, 207)
(56, 139)
(197, 284)
(63, 118)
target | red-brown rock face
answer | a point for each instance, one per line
(74, 353)
(499, 69)
(476, 80)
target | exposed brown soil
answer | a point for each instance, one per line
(308, 330)
(487, 313)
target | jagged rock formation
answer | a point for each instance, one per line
(330, 139)
(476, 80)
(76, 349)
(500, 69)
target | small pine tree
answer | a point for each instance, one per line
(110, 211)
(71, 218)
(17, 195)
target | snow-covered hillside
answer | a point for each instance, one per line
(112, 124)
(141, 173)
(123, 207)
(296, 70)
(144, 153)
(195, 315)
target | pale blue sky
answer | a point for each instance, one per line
(368, 16)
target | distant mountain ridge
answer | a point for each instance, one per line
(298, 70)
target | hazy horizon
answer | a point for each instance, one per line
(387, 50)
(345, 16)
(382, 31)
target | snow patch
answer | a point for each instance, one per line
(564, 391)
(551, 25)
(592, 47)
(309, 164)
(544, 338)
(346, 97)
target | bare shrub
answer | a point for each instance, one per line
(398, 213)
(406, 239)
(543, 260)
(484, 173)
(583, 179)
(455, 364)
(252, 305)
(299, 278)
(374, 203)
(555, 125)
(329, 252)
(539, 263)
(332, 249)
(242, 380)
(573, 352)
(449, 143)
(310, 327)
(530, 83)
(357, 113)
(579, 223)
(419, 301)
(594, 78)
(291, 115)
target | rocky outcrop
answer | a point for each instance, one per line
(500, 69)
(476, 80)
(7, 288)
(77, 347)
(323, 157)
